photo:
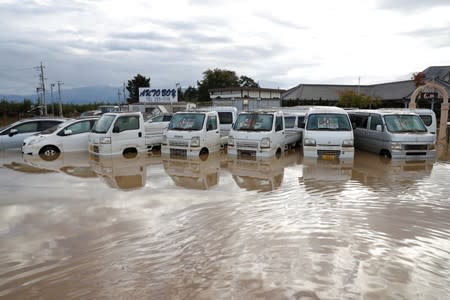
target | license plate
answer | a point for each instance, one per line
(328, 157)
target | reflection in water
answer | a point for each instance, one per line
(373, 229)
(193, 172)
(71, 163)
(120, 172)
(261, 174)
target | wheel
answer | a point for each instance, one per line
(130, 153)
(204, 153)
(49, 153)
(278, 153)
(385, 155)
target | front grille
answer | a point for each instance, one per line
(416, 153)
(416, 147)
(245, 144)
(335, 153)
(177, 153)
(178, 143)
(246, 154)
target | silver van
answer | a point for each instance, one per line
(392, 133)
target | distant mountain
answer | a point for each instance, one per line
(82, 95)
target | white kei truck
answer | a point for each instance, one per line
(192, 133)
(124, 133)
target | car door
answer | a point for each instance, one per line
(74, 137)
(127, 129)
(13, 137)
(279, 138)
(212, 133)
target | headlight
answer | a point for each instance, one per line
(195, 141)
(347, 143)
(231, 141)
(309, 142)
(396, 146)
(265, 142)
(105, 140)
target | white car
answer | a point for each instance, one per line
(12, 136)
(66, 137)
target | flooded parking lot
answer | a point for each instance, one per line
(153, 227)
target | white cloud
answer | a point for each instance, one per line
(108, 42)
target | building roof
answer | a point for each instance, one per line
(244, 88)
(387, 91)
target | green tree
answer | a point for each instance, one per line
(133, 87)
(213, 79)
(245, 81)
(348, 98)
(190, 94)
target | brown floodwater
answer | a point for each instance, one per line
(153, 227)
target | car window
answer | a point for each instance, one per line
(26, 127)
(279, 123)
(212, 123)
(427, 119)
(289, 122)
(46, 124)
(80, 127)
(225, 117)
(167, 118)
(127, 123)
(374, 121)
(157, 119)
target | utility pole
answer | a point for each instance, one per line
(359, 85)
(119, 96)
(51, 97)
(124, 95)
(42, 87)
(59, 95)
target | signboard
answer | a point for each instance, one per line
(148, 95)
(428, 95)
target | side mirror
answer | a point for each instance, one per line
(13, 132)
(379, 128)
(67, 132)
(116, 129)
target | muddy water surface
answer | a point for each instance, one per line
(154, 227)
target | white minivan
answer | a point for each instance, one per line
(328, 133)
(258, 133)
(192, 133)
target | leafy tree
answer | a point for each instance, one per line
(190, 94)
(133, 87)
(245, 81)
(418, 78)
(213, 79)
(348, 98)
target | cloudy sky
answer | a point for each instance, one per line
(278, 43)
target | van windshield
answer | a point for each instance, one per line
(404, 123)
(254, 122)
(103, 124)
(187, 121)
(327, 122)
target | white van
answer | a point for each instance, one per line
(328, 133)
(293, 123)
(227, 116)
(392, 133)
(258, 134)
(192, 133)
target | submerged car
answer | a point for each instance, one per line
(13, 135)
(66, 137)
